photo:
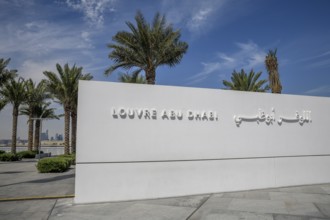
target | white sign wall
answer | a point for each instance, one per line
(143, 141)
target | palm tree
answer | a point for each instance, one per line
(5, 76)
(25, 110)
(273, 74)
(132, 78)
(243, 82)
(74, 114)
(14, 92)
(147, 46)
(2, 104)
(36, 95)
(64, 86)
(41, 111)
(30, 90)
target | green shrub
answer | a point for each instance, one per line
(2, 151)
(70, 157)
(53, 165)
(10, 157)
(37, 152)
(27, 154)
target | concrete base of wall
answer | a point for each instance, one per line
(148, 180)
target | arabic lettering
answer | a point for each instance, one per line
(305, 117)
(261, 116)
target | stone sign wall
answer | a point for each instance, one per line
(143, 141)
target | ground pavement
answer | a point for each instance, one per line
(26, 194)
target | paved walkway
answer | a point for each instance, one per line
(20, 179)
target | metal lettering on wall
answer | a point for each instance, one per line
(261, 116)
(152, 113)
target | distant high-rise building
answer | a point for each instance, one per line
(58, 137)
(44, 136)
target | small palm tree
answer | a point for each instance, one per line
(273, 74)
(64, 87)
(25, 110)
(132, 78)
(41, 111)
(147, 46)
(36, 95)
(14, 93)
(246, 82)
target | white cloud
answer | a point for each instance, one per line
(41, 37)
(248, 56)
(93, 10)
(38, 45)
(226, 58)
(34, 69)
(320, 64)
(322, 90)
(16, 3)
(316, 61)
(86, 36)
(208, 68)
(199, 19)
(196, 16)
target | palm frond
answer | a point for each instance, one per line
(146, 46)
(132, 78)
(246, 82)
(5, 74)
(14, 92)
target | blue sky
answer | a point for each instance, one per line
(223, 35)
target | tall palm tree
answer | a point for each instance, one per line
(36, 95)
(246, 82)
(273, 74)
(14, 93)
(147, 46)
(74, 113)
(63, 86)
(132, 78)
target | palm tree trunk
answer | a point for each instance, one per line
(73, 131)
(274, 82)
(30, 133)
(277, 88)
(273, 75)
(37, 135)
(150, 75)
(66, 130)
(14, 130)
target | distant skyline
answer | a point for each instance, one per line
(223, 35)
